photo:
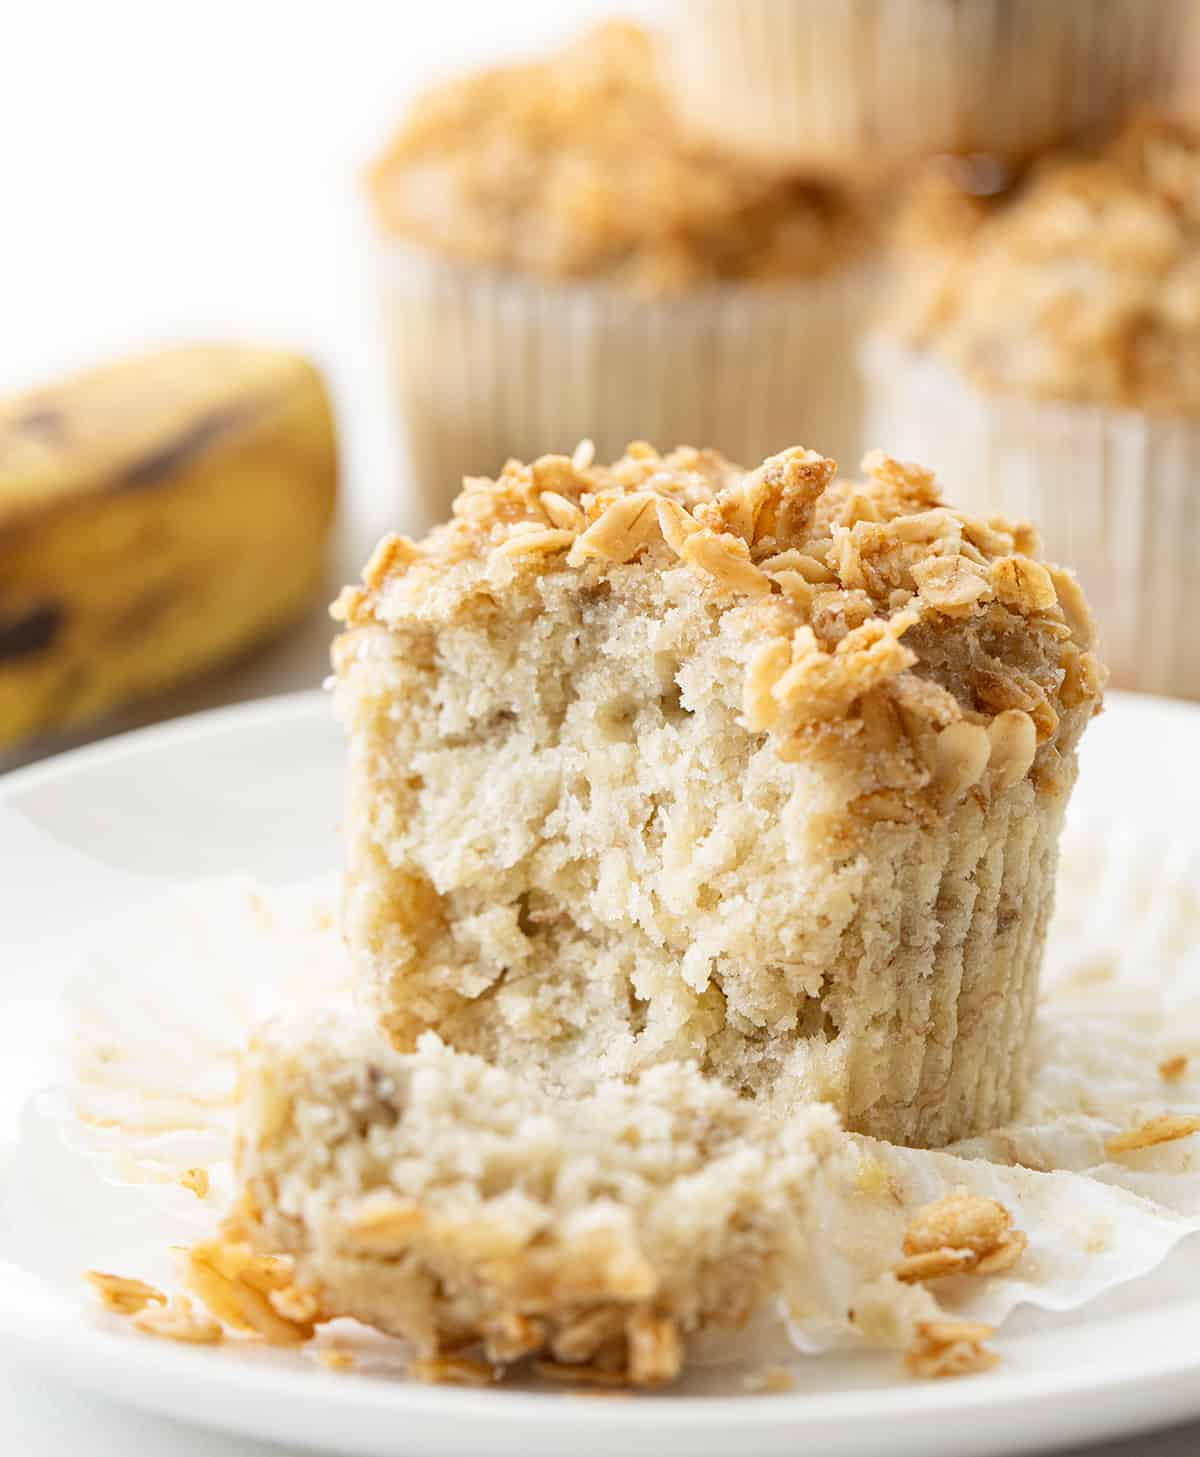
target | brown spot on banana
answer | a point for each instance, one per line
(158, 467)
(32, 631)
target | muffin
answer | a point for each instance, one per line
(1045, 353)
(452, 1203)
(667, 761)
(557, 259)
(878, 83)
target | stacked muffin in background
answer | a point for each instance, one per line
(562, 260)
(686, 237)
(1057, 325)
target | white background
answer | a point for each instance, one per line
(171, 171)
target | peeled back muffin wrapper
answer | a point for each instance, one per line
(1112, 491)
(488, 365)
(865, 83)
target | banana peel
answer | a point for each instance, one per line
(158, 516)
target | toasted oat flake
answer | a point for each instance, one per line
(452, 1371)
(655, 1349)
(387, 1227)
(1172, 1069)
(769, 1380)
(123, 1295)
(537, 543)
(624, 527)
(942, 1348)
(237, 1285)
(1165, 1128)
(179, 1320)
(196, 1180)
(961, 1233)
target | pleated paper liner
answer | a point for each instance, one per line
(486, 366)
(868, 84)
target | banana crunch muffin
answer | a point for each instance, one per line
(668, 761)
(441, 1199)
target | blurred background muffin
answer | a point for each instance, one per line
(1045, 350)
(559, 259)
(843, 83)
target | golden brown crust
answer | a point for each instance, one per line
(574, 166)
(1081, 282)
(853, 588)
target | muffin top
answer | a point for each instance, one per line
(1079, 282)
(575, 167)
(869, 614)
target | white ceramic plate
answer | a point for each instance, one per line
(257, 788)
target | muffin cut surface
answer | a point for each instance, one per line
(667, 761)
(441, 1199)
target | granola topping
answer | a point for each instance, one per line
(949, 1348)
(1079, 282)
(1164, 1128)
(959, 1234)
(574, 166)
(244, 1290)
(842, 590)
(122, 1295)
(179, 1320)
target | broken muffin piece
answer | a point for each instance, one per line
(670, 761)
(438, 1198)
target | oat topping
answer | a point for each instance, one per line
(959, 1234)
(769, 1381)
(451, 1371)
(1173, 1069)
(574, 166)
(949, 1348)
(844, 589)
(122, 1295)
(655, 1348)
(1164, 1128)
(1080, 282)
(246, 1290)
(196, 1180)
(179, 1320)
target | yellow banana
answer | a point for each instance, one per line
(157, 516)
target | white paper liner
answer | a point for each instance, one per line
(488, 365)
(862, 83)
(166, 994)
(1113, 494)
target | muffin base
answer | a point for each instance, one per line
(946, 1052)
(1112, 492)
(487, 366)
